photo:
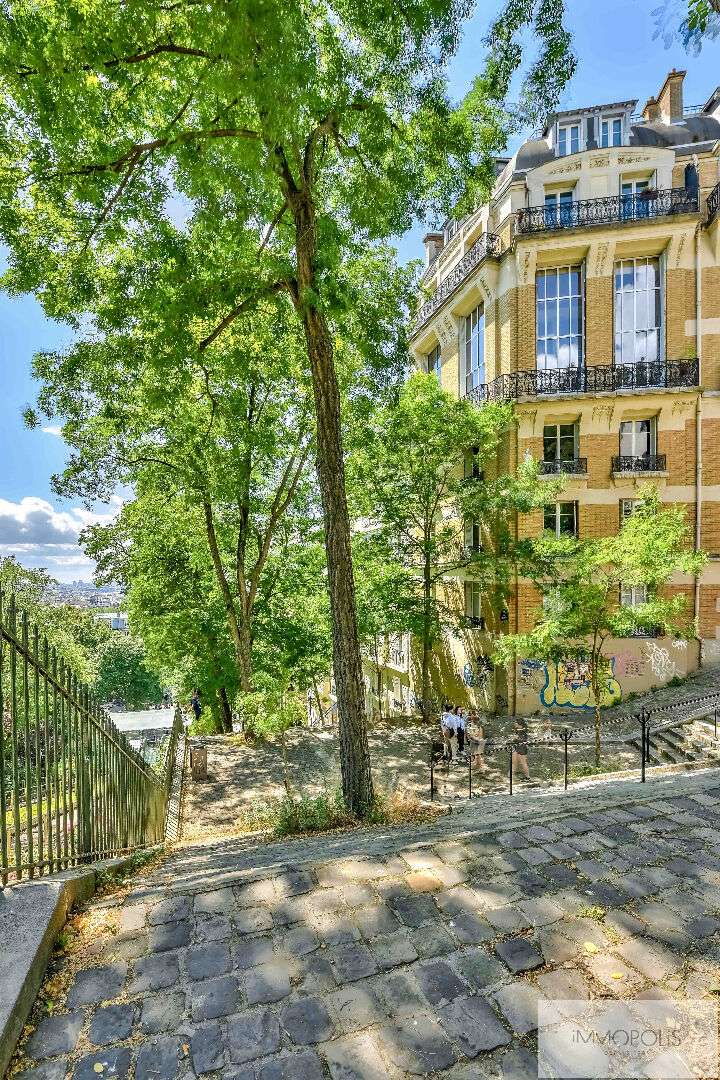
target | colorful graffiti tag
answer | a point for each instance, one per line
(567, 684)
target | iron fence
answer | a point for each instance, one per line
(649, 463)
(574, 466)
(488, 245)
(713, 203)
(606, 210)
(72, 788)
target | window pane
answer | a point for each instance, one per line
(626, 439)
(540, 284)
(550, 283)
(564, 321)
(550, 443)
(549, 518)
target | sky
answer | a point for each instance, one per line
(618, 60)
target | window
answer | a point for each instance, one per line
(473, 349)
(434, 362)
(559, 442)
(561, 519)
(611, 132)
(559, 317)
(473, 603)
(471, 464)
(473, 536)
(558, 208)
(633, 204)
(638, 438)
(568, 139)
(638, 312)
(633, 595)
(627, 509)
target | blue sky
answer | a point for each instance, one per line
(618, 60)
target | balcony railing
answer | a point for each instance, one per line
(488, 245)
(713, 203)
(608, 209)
(576, 467)
(646, 463)
(600, 378)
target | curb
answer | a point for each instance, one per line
(31, 916)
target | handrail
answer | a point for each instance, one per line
(488, 245)
(606, 209)
(72, 788)
(713, 203)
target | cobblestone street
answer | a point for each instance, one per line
(395, 953)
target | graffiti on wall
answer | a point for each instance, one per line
(567, 683)
(660, 663)
(478, 674)
(629, 665)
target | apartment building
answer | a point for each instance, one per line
(587, 291)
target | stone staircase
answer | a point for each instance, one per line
(690, 742)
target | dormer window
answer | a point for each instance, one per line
(568, 139)
(611, 131)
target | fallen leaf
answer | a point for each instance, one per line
(590, 947)
(618, 975)
(98, 1068)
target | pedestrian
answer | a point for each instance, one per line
(460, 728)
(476, 740)
(196, 704)
(448, 730)
(520, 765)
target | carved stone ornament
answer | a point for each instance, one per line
(682, 405)
(483, 286)
(526, 423)
(446, 329)
(600, 162)
(603, 413)
(601, 257)
(632, 159)
(563, 170)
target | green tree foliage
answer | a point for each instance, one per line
(580, 581)
(123, 674)
(419, 495)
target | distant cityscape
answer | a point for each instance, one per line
(84, 594)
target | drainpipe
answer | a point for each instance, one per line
(698, 426)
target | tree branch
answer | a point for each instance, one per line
(245, 305)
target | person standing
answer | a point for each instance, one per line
(460, 727)
(448, 730)
(196, 704)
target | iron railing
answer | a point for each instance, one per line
(576, 467)
(713, 203)
(72, 788)
(649, 463)
(599, 378)
(488, 245)
(606, 210)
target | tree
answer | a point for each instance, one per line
(581, 581)
(123, 674)
(438, 518)
(283, 140)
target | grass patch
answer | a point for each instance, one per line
(302, 814)
(595, 912)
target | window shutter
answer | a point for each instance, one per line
(591, 141)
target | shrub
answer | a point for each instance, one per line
(292, 816)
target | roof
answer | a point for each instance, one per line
(624, 105)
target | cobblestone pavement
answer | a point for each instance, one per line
(398, 952)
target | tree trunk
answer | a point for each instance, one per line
(595, 684)
(347, 665)
(225, 710)
(426, 644)
(239, 628)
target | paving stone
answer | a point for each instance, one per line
(215, 997)
(207, 1048)
(352, 962)
(401, 994)
(293, 883)
(438, 981)
(519, 954)
(252, 1035)
(458, 901)
(131, 918)
(374, 920)
(562, 850)
(450, 875)
(540, 834)
(506, 919)
(472, 1022)
(703, 926)
(97, 984)
(534, 856)
(623, 923)
(615, 975)
(212, 928)
(422, 881)
(115, 1063)
(494, 895)
(154, 972)
(128, 948)
(55, 1035)
(520, 1064)
(306, 1021)
(652, 960)
(355, 1057)
(563, 986)
(415, 910)
(432, 941)
(392, 950)
(269, 982)
(540, 912)
(169, 935)
(592, 869)
(162, 1012)
(356, 895)
(356, 1007)
(49, 1070)
(417, 1047)
(605, 895)
(158, 1059)
(518, 1004)
(300, 941)
(555, 947)
(305, 1065)
(470, 930)
(204, 961)
(479, 969)
(582, 930)
(174, 909)
(217, 902)
(111, 1024)
(250, 952)
(337, 929)
(252, 921)
(559, 874)
(256, 893)
(314, 972)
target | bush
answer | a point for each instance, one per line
(292, 816)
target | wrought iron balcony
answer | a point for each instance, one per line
(597, 379)
(606, 210)
(646, 463)
(575, 467)
(488, 245)
(713, 203)
(474, 622)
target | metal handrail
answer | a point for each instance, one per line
(488, 245)
(713, 203)
(577, 466)
(72, 788)
(639, 463)
(606, 209)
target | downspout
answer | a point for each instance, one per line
(698, 428)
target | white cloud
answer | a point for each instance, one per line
(53, 429)
(40, 535)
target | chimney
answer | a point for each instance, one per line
(651, 111)
(670, 98)
(434, 243)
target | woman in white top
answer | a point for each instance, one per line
(448, 730)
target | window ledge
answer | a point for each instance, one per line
(637, 477)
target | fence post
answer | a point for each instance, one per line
(643, 729)
(432, 776)
(566, 736)
(510, 771)
(716, 723)
(85, 773)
